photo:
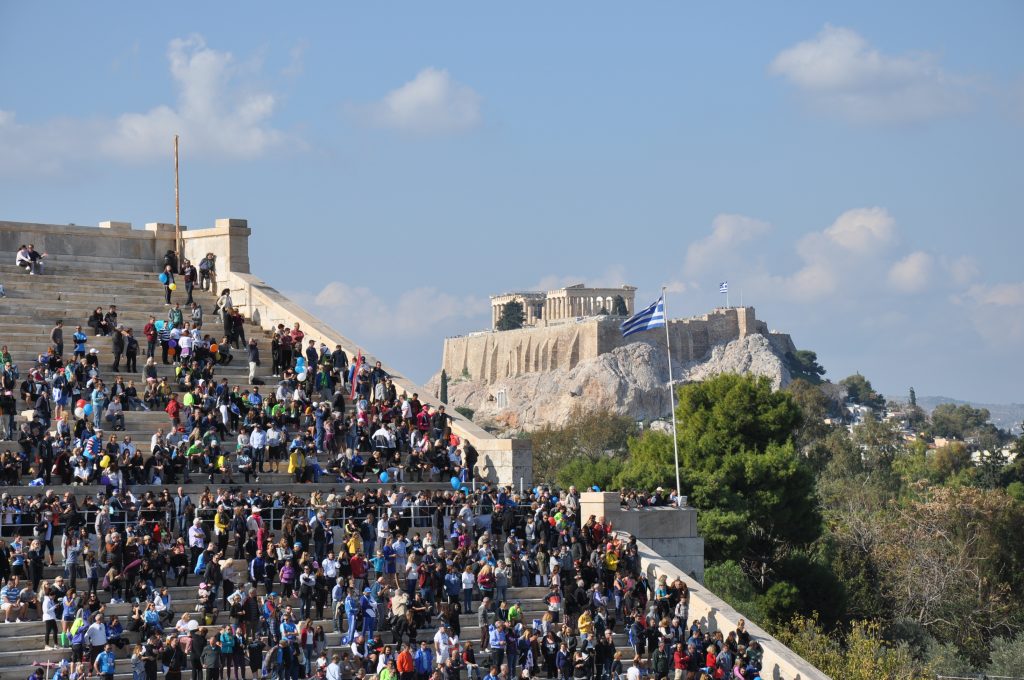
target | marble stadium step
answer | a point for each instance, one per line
(269, 482)
(137, 312)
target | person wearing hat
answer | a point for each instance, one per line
(368, 606)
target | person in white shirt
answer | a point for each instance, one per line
(115, 414)
(634, 671)
(50, 618)
(330, 566)
(442, 644)
(334, 668)
(96, 634)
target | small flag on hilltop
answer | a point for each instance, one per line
(646, 319)
(723, 287)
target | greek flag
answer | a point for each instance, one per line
(723, 287)
(646, 319)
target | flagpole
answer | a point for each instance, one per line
(177, 206)
(672, 398)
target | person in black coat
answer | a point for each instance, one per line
(118, 349)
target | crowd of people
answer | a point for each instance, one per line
(397, 574)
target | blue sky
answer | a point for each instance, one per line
(854, 169)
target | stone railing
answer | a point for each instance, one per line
(780, 662)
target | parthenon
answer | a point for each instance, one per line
(571, 302)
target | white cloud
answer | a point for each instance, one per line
(913, 273)
(963, 270)
(433, 101)
(845, 254)
(416, 312)
(34, 150)
(296, 60)
(842, 74)
(863, 230)
(995, 312)
(728, 231)
(213, 113)
(995, 295)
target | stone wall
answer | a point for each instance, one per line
(228, 240)
(669, 531)
(492, 356)
(110, 239)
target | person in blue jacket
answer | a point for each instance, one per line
(368, 606)
(423, 661)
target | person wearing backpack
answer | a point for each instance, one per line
(208, 272)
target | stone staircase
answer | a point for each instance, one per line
(70, 289)
(21, 644)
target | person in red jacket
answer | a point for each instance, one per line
(174, 410)
(149, 330)
(404, 664)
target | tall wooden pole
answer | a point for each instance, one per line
(177, 206)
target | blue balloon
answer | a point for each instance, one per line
(456, 483)
(595, 488)
(300, 365)
(88, 409)
(159, 324)
(464, 489)
(384, 477)
(163, 278)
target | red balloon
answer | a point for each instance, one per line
(81, 403)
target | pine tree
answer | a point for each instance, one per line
(444, 387)
(512, 316)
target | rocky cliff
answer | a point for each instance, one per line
(630, 380)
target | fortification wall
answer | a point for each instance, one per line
(506, 461)
(111, 239)
(492, 356)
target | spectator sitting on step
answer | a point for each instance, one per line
(29, 259)
(111, 318)
(115, 414)
(98, 324)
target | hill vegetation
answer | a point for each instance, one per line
(831, 533)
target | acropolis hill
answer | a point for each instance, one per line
(573, 355)
(567, 339)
